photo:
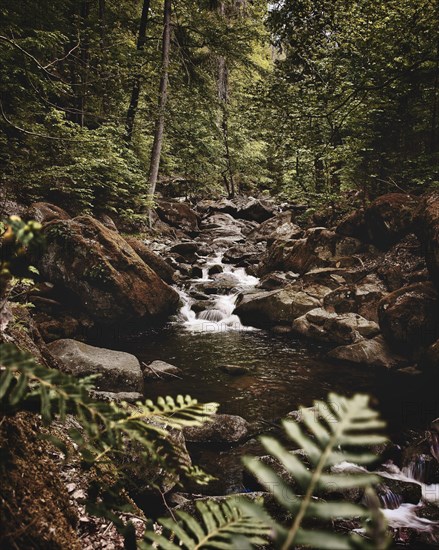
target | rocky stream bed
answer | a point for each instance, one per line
(245, 304)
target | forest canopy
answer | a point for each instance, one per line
(301, 99)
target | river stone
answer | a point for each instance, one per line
(409, 317)
(129, 397)
(158, 369)
(234, 370)
(103, 274)
(280, 226)
(323, 325)
(409, 491)
(222, 429)
(120, 371)
(275, 307)
(374, 352)
(179, 215)
(153, 260)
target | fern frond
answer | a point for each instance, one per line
(105, 427)
(220, 524)
(327, 428)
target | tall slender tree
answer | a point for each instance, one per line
(162, 101)
(137, 82)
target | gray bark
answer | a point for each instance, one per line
(162, 100)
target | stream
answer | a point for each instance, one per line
(282, 373)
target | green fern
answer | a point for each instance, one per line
(330, 427)
(223, 526)
(105, 427)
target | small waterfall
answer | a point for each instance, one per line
(218, 315)
(389, 500)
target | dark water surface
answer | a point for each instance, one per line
(284, 373)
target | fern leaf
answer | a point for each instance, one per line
(326, 429)
(219, 525)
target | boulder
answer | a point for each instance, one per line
(361, 298)
(244, 253)
(45, 212)
(409, 317)
(151, 259)
(179, 215)
(160, 369)
(120, 371)
(127, 396)
(346, 328)
(279, 227)
(384, 222)
(319, 248)
(215, 269)
(221, 284)
(405, 491)
(222, 429)
(255, 210)
(99, 270)
(262, 309)
(427, 229)
(403, 264)
(374, 352)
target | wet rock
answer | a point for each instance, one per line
(403, 264)
(186, 248)
(319, 248)
(331, 277)
(409, 317)
(153, 260)
(279, 227)
(256, 210)
(235, 370)
(215, 269)
(277, 280)
(103, 273)
(374, 352)
(45, 212)
(344, 328)
(427, 229)
(243, 252)
(160, 369)
(282, 306)
(128, 397)
(221, 284)
(196, 272)
(223, 429)
(407, 491)
(179, 215)
(361, 298)
(384, 222)
(120, 371)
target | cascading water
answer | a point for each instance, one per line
(218, 315)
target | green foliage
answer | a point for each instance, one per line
(105, 427)
(223, 525)
(332, 433)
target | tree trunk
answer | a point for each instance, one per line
(84, 56)
(137, 83)
(163, 97)
(223, 97)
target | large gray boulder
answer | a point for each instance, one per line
(120, 371)
(374, 352)
(264, 309)
(346, 328)
(222, 429)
